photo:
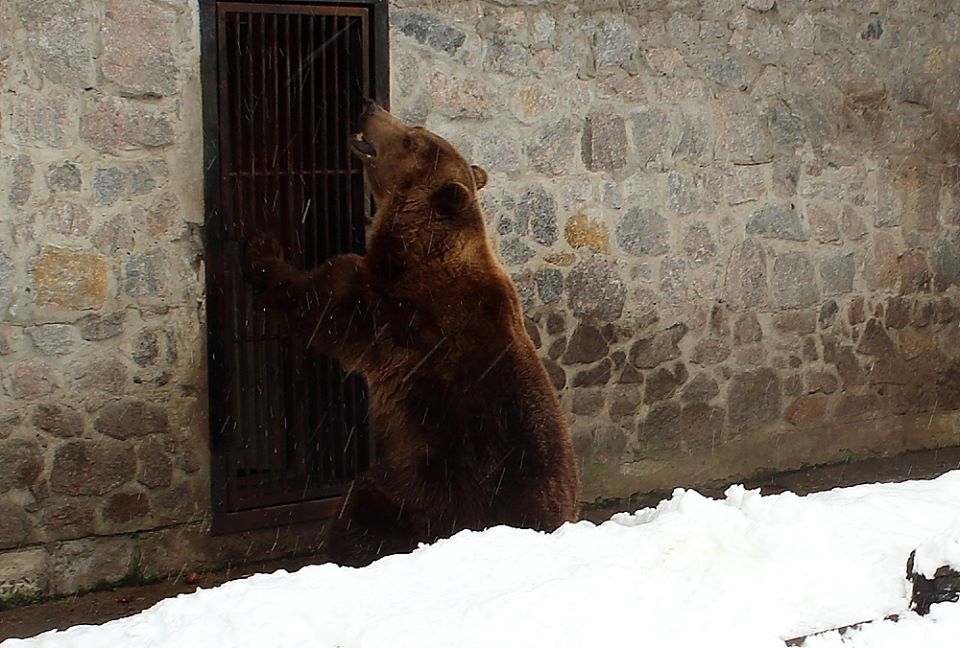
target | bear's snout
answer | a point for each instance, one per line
(369, 107)
(362, 146)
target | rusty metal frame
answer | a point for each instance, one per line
(263, 453)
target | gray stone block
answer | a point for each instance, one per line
(428, 30)
(643, 232)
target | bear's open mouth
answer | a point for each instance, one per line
(362, 146)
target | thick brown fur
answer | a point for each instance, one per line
(468, 428)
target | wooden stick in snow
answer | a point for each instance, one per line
(944, 586)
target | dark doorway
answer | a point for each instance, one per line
(283, 88)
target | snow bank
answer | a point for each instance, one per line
(939, 629)
(744, 572)
(938, 551)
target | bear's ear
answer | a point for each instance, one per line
(450, 200)
(479, 177)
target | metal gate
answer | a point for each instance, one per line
(283, 87)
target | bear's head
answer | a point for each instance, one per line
(415, 165)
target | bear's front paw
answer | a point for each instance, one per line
(264, 246)
(259, 252)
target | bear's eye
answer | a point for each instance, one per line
(407, 142)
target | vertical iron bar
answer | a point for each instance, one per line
(322, 252)
(275, 386)
(266, 176)
(346, 381)
(252, 433)
(266, 156)
(236, 286)
(330, 223)
(323, 227)
(300, 362)
(357, 223)
(288, 207)
(245, 421)
(346, 243)
(310, 235)
(251, 221)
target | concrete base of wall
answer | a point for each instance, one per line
(765, 452)
(54, 569)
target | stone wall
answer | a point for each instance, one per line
(103, 403)
(734, 224)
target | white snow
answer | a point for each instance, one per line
(943, 549)
(939, 629)
(743, 572)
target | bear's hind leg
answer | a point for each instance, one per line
(371, 524)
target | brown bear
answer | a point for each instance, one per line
(468, 428)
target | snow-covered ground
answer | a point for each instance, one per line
(743, 572)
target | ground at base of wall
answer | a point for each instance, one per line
(100, 607)
(106, 605)
(925, 464)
